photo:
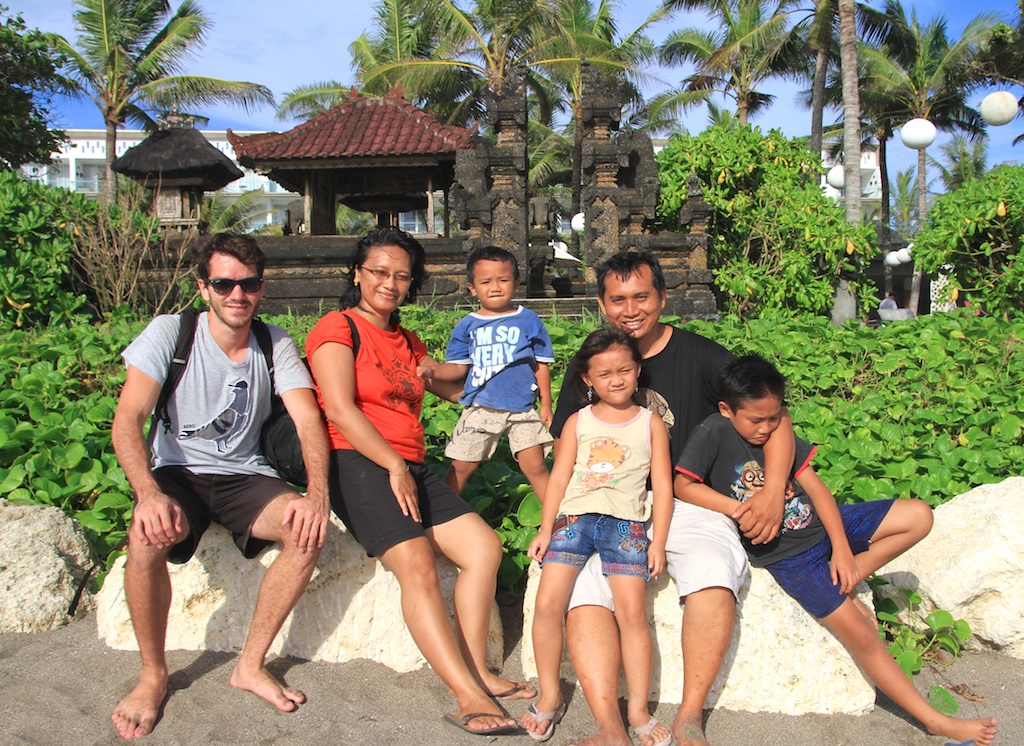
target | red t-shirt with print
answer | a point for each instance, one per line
(387, 388)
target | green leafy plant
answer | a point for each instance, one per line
(974, 234)
(776, 242)
(37, 230)
(915, 640)
(916, 409)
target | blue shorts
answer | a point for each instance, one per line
(621, 544)
(806, 576)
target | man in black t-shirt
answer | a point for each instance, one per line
(680, 372)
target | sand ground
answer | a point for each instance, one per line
(60, 687)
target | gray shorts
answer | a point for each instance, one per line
(480, 428)
(703, 551)
(234, 501)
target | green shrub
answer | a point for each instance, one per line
(977, 230)
(916, 409)
(777, 243)
(37, 227)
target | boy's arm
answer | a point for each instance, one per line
(452, 372)
(561, 473)
(760, 517)
(689, 489)
(543, 374)
(661, 485)
(844, 568)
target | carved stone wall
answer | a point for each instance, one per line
(490, 190)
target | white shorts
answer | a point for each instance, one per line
(703, 551)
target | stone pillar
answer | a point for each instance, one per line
(490, 190)
(620, 178)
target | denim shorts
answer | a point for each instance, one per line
(621, 544)
(806, 576)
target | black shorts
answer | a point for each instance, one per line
(362, 498)
(234, 501)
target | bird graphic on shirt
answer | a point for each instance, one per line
(228, 423)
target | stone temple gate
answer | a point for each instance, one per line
(382, 154)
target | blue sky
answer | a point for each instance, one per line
(287, 44)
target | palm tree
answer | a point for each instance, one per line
(917, 71)
(589, 38)
(851, 108)
(904, 204)
(962, 161)
(128, 54)
(754, 45)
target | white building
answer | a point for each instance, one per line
(79, 165)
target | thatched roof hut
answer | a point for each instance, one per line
(179, 164)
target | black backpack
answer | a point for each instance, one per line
(279, 440)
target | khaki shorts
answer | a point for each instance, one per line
(480, 428)
(703, 551)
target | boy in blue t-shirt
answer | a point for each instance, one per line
(823, 550)
(503, 351)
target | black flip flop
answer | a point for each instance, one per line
(462, 723)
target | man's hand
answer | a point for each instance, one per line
(308, 518)
(157, 522)
(760, 517)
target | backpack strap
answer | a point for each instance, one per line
(182, 352)
(262, 334)
(355, 334)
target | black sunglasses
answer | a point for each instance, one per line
(223, 286)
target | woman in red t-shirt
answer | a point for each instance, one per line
(391, 503)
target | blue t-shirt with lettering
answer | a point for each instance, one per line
(501, 352)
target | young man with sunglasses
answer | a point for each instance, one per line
(207, 466)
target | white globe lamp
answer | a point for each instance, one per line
(578, 222)
(918, 134)
(999, 108)
(836, 176)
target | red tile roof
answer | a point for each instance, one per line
(361, 127)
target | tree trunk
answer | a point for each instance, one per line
(577, 243)
(108, 194)
(851, 109)
(885, 216)
(818, 85)
(922, 212)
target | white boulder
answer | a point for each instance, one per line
(780, 660)
(972, 564)
(43, 558)
(351, 608)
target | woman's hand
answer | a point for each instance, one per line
(404, 487)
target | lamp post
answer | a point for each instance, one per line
(918, 134)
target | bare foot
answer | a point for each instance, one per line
(651, 732)
(982, 732)
(135, 715)
(865, 610)
(263, 684)
(689, 730)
